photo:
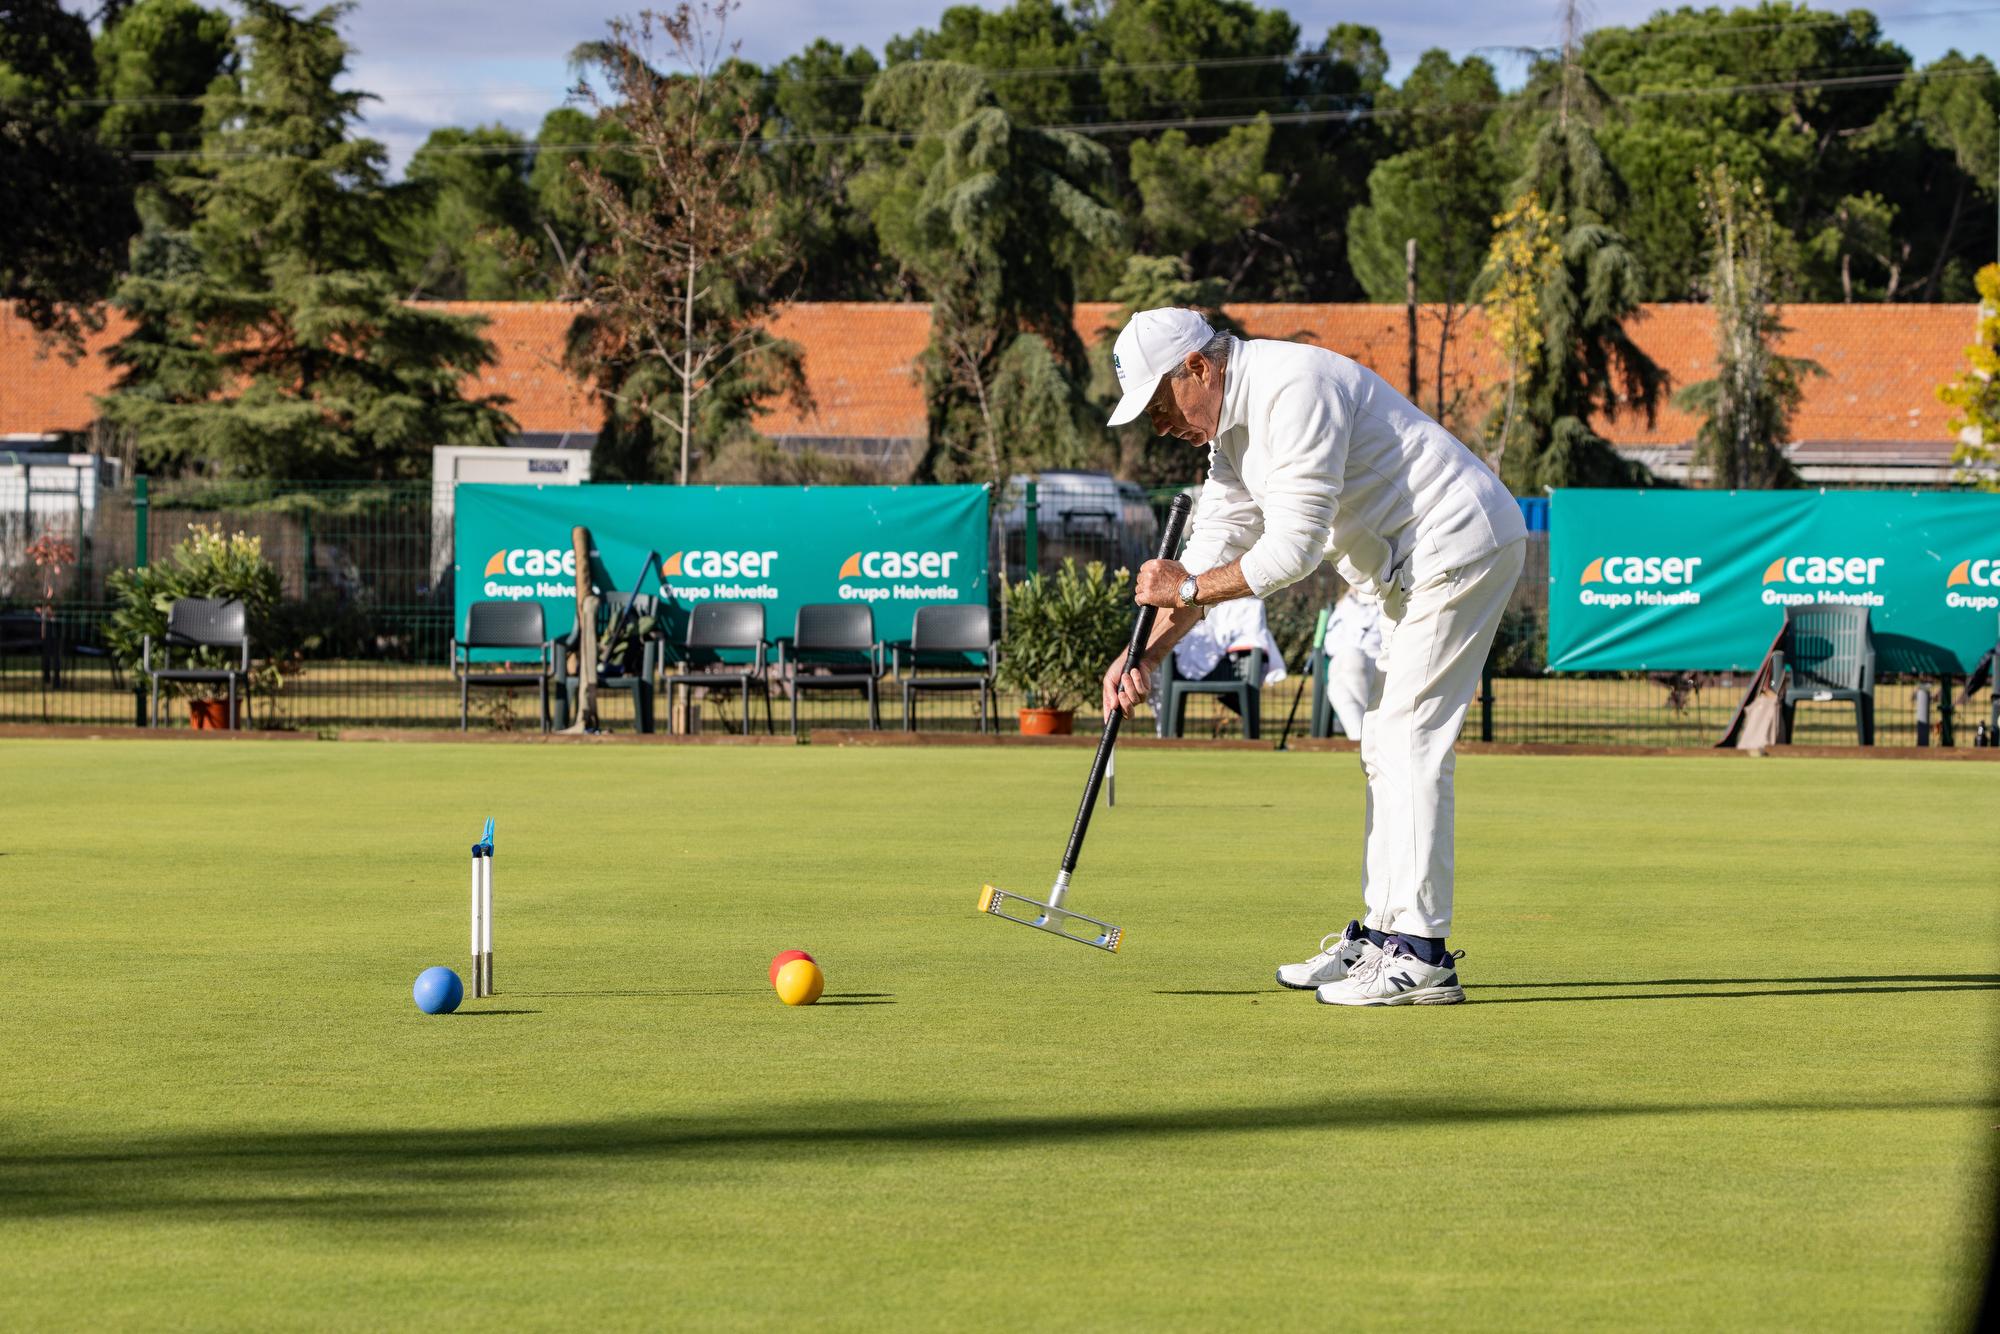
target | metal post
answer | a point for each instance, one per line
(1410, 308)
(141, 512)
(1031, 533)
(1944, 711)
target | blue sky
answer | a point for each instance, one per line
(465, 62)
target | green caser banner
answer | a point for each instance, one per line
(1699, 580)
(894, 548)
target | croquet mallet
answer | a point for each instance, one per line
(1052, 916)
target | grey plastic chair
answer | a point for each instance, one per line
(1247, 690)
(194, 624)
(639, 683)
(946, 637)
(1827, 654)
(839, 636)
(502, 625)
(715, 629)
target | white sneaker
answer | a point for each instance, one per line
(1395, 977)
(1338, 954)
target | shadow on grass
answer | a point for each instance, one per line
(1479, 994)
(1992, 979)
(475, 1014)
(401, 1176)
(1202, 992)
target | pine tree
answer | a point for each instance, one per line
(1589, 366)
(992, 218)
(1747, 408)
(270, 341)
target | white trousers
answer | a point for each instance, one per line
(1438, 635)
(1353, 686)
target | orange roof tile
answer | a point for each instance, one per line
(1883, 365)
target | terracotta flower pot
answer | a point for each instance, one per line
(1047, 722)
(209, 715)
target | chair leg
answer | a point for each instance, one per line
(642, 705)
(464, 691)
(542, 688)
(795, 710)
(874, 710)
(1253, 722)
(768, 729)
(1864, 721)
(153, 714)
(984, 692)
(232, 703)
(909, 712)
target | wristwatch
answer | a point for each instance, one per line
(1188, 590)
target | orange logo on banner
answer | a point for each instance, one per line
(1961, 573)
(851, 567)
(498, 564)
(672, 564)
(1774, 573)
(1594, 572)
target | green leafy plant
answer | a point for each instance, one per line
(206, 564)
(1063, 631)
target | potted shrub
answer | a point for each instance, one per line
(205, 564)
(1062, 632)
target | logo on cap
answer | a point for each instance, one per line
(1116, 367)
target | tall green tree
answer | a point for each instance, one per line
(274, 344)
(992, 218)
(1747, 407)
(69, 211)
(814, 109)
(155, 61)
(1799, 98)
(1036, 36)
(472, 233)
(1588, 366)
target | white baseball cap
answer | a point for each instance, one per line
(1152, 343)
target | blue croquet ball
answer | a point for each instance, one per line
(438, 990)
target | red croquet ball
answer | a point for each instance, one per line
(781, 960)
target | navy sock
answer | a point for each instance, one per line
(1428, 948)
(1380, 939)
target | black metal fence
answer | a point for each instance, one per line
(366, 623)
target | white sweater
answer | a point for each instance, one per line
(1315, 456)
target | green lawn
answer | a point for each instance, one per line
(1728, 1065)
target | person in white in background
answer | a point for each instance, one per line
(1355, 655)
(1215, 649)
(1312, 455)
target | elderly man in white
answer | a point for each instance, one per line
(1312, 455)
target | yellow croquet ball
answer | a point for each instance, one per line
(800, 982)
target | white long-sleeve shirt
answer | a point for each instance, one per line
(1316, 456)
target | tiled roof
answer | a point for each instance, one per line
(1883, 364)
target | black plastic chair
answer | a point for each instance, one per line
(946, 637)
(194, 624)
(1827, 653)
(839, 636)
(716, 628)
(1247, 688)
(639, 683)
(502, 625)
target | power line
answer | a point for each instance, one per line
(1851, 83)
(1078, 71)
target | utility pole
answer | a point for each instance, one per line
(1410, 307)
